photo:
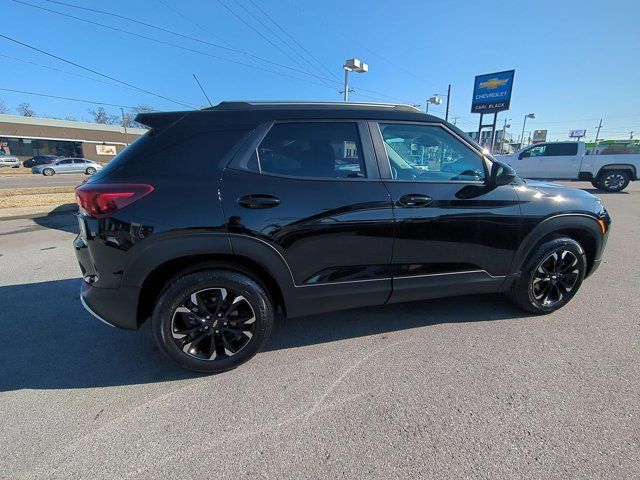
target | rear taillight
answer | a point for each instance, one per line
(101, 200)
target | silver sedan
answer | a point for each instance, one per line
(68, 165)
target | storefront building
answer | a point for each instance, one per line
(25, 137)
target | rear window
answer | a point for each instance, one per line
(561, 149)
(172, 155)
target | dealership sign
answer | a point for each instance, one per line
(492, 92)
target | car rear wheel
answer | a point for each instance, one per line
(613, 180)
(47, 172)
(212, 321)
(91, 171)
(551, 277)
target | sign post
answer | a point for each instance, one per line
(491, 94)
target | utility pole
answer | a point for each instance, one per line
(446, 115)
(631, 135)
(598, 132)
(124, 125)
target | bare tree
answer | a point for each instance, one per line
(25, 110)
(136, 110)
(3, 107)
(100, 115)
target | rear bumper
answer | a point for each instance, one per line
(114, 306)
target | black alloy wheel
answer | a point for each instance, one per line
(213, 323)
(551, 276)
(555, 277)
(212, 320)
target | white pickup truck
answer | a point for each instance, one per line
(568, 161)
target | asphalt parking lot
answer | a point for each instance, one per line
(458, 388)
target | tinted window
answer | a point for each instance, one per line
(65, 162)
(559, 149)
(429, 153)
(318, 149)
(77, 160)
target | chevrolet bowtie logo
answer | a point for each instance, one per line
(493, 83)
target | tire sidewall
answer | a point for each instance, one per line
(48, 172)
(546, 249)
(181, 288)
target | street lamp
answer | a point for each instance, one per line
(352, 65)
(528, 115)
(504, 134)
(435, 100)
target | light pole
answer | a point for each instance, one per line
(504, 133)
(448, 95)
(435, 100)
(528, 115)
(352, 65)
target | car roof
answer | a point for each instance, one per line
(255, 112)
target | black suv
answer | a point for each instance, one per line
(217, 218)
(40, 160)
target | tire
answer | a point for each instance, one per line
(90, 171)
(613, 180)
(48, 172)
(529, 292)
(595, 183)
(188, 329)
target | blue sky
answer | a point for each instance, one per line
(575, 61)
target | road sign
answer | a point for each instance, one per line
(539, 136)
(492, 92)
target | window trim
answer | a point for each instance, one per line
(385, 166)
(251, 147)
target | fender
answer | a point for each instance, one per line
(619, 166)
(163, 247)
(564, 221)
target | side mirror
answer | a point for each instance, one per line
(501, 174)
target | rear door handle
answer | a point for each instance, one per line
(414, 200)
(258, 201)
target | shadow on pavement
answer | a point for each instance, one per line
(597, 192)
(51, 342)
(64, 220)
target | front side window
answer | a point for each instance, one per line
(429, 153)
(313, 149)
(539, 151)
(561, 149)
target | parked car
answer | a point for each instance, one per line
(68, 165)
(7, 160)
(568, 161)
(216, 219)
(40, 160)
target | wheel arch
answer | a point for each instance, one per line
(174, 253)
(581, 227)
(619, 166)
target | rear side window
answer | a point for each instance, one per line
(175, 156)
(561, 149)
(313, 149)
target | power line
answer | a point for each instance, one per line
(230, 10)
(192, 50)
(66, 72)
(95, 71)
(66, 98)
(294, 40)
(163, 29)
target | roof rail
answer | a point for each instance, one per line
(251, 104)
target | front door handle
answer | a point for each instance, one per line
(258, 201)
(414, 200)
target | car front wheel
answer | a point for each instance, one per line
(47, 172)
(551, 276)
(213, 320)
(91, 171)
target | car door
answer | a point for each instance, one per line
(549, 161)
(454, 232)
(79, 165)
(65, 166)
(529, 164)
(311, 191)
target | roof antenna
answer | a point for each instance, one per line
(200, 85)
